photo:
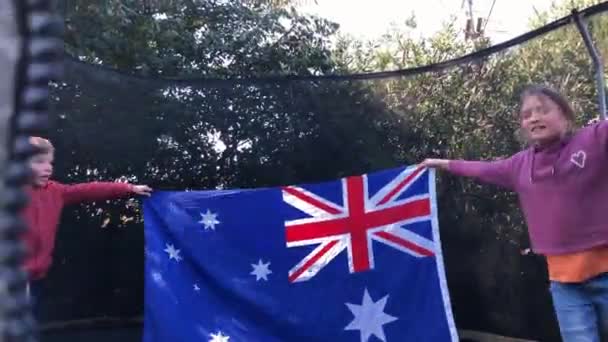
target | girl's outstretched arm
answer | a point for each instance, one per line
(498, 172)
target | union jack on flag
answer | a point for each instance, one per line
(356, 259)
(355, 224)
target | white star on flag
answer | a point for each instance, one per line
(219, 337)
(196, 288)
(369, 317)
(209, 220)
(173, 252)
(261, 270)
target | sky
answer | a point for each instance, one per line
(370, 18)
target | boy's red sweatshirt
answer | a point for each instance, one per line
(44, 211)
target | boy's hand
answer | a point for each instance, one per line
(435, 163)
(142, 190)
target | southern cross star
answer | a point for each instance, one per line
(261, 270)
(369, 317)
(209, 220)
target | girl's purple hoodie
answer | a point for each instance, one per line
(562, 189)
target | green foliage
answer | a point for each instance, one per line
(470, 112)
(214, 134)
(460, 112)
(210, 135)
(211, 38)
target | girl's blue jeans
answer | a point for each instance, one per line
(582, 309)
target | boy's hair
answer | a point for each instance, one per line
(43, 145)
(553, 95)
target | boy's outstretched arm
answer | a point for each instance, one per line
(99, 191)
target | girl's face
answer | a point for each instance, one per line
(542, 120)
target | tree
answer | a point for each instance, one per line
(470, 112)
(204, 38)
(148, 121)
(216, 133)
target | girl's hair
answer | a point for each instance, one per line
(44, 146)
(553, 95)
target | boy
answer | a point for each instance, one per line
(46, 201)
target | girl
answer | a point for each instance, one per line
(46, 201)
(562, 185)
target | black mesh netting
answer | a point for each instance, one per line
(202, 134)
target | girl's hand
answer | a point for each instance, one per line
(435, 163)
(142, 190)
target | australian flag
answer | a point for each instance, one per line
(357, 259)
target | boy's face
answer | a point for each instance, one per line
(42, 168)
